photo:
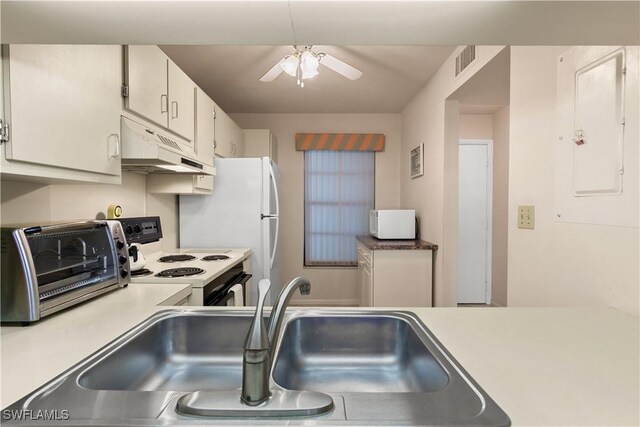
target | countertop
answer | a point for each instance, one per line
(406, 244)
(543, 366)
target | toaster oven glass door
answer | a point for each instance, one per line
(70, 260)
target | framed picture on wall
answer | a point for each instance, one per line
(417, 161)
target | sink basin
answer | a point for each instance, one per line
(184, 353)
(380, 354)
(378, 368)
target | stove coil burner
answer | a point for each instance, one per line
(176, 258)
(215, 258)
(180, 272)
(140, 273)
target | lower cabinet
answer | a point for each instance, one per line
(394, 277)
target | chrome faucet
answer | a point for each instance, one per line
(259, 347)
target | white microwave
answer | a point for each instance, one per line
(392, 223)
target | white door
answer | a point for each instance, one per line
(474, 221)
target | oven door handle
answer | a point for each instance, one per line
(243, 279)
(223, 301)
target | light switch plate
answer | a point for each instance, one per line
(527, 217)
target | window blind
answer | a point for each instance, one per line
(339, 192)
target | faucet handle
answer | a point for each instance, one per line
(258, 339)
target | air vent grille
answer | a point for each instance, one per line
(4, 243)
(169, 142)
(466, 57)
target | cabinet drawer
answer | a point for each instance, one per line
(365, 255)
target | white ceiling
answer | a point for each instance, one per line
(355, 22)
(365, 33)
(230, 75)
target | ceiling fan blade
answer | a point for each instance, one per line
(273, 72)
(340, 67)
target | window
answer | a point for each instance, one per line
(339, 190)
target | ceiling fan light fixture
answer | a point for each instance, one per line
(309, 64)
(290, 65)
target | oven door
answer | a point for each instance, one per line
(223, 296)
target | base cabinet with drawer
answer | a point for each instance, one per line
(397, 275)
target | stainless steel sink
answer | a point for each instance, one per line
(370, 354)
(181, 353)
(379, 368)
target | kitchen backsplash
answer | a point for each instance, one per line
(26, 202)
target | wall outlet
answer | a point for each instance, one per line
(527, 217)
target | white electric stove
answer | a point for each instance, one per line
(210, 272)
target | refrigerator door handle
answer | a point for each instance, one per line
(272, 175)
(275, 243)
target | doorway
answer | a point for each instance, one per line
(475, 197)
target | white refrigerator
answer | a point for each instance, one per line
(243, 211)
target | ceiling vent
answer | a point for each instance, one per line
(466, 57)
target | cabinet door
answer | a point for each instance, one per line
(65, 106)
(238, 140)
(205, 127)
(258, 143)
(181, 102)
(224, 134)
(367, 284)
(146, 77)
(365, 277)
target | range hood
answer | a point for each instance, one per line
(147, 149)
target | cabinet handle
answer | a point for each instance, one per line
(174, 110)
(117, 137)
(164, 100)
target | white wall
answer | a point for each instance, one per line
(499, 239)
(29, 203)
(333, 286)
(557, 264)
(475, 126)
(434, 195)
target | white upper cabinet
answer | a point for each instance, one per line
(205, 127)
(260, 143)
(181, 102)
(146, 76)
(229, 136)
(63, 109)
(158, 90)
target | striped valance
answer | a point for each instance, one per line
(340, 141)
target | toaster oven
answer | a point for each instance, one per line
(49, 268)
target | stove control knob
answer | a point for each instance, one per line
(119, 244)
(122, 259)
(137, 229)
(128, 229)
(124, 273)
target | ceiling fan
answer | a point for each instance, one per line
(303, 64)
